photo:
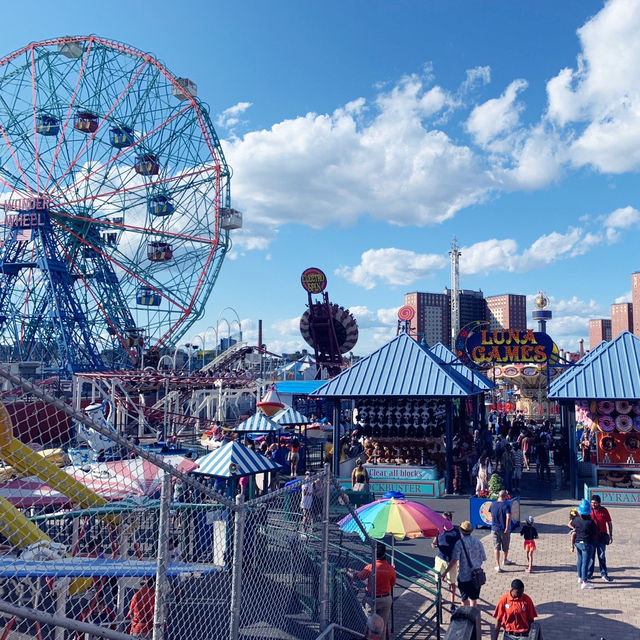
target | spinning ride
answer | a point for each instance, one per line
(330, 329)
(117, 205)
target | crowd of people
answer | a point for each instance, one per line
(508, 448)
(460, 558)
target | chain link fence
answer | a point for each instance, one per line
(109, 547)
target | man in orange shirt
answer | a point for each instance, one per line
(514, 612)
(385, 581)
(141, 609)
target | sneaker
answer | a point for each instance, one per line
(607, 579)
(580, 581)
(587, 585)
(508, 562)
(498, 569)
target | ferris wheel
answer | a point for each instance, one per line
(117, 206)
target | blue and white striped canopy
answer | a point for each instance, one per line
(289, 415)
(247, 462)
(258, 422)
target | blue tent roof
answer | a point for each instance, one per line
(258, 422)
(289, 415)
(247, 462)
(448, 357)
(298, 387)
(400, 368)
(610, 372)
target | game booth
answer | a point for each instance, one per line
(600, 399)
(409, 401)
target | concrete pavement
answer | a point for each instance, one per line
(610, 610)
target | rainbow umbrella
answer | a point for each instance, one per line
(395, 515)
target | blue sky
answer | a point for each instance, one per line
(364, 135)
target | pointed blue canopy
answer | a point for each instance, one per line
(449, 358)
(257, 423)
(289, 415)
(401, 368)
(247, 462)
(610, 372)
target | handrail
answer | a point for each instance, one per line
(329, 632)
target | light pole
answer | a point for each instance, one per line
(162, 358)
(217, 342)
(237, 320)
(175, 353)
(228, 332)
(203, 346)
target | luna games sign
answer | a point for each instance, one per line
(484, 347)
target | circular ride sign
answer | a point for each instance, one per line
(313, 280)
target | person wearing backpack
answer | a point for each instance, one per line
(469, 555)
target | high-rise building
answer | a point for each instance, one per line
(508, 311)
(599, 331)
(621, 318)
(432, 318)
(635, 301)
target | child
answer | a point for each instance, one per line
(530, 534)
(572, 514)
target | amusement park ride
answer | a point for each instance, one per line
(117, 205)
(330, 329)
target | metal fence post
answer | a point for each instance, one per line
(324, 574)
(236, 569)
(162, 585)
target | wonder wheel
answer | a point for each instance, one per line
(116, 192)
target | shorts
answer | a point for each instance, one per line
(500, 540)
(294, 456)
(468, 591)
(529, 545)
(440, 566)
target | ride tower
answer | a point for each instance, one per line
(329, 329)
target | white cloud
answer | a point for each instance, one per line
(625, 297)
(392, 266)
(230, 117)
(498, 116)
(623, 218)
(381, 158)
(600, 98)
(476, 76)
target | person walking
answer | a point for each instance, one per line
(468, 553)
(501, 528)
(514, 613)
(484, 473)
(583, 538)
(306, 502)
(444, 543)
(600, 515)
(530, 534)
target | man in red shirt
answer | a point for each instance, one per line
(515, 613)
(141, 609)
(600, 515)
(385, 581)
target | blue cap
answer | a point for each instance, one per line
(584, 508)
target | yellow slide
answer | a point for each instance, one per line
(14, 526)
